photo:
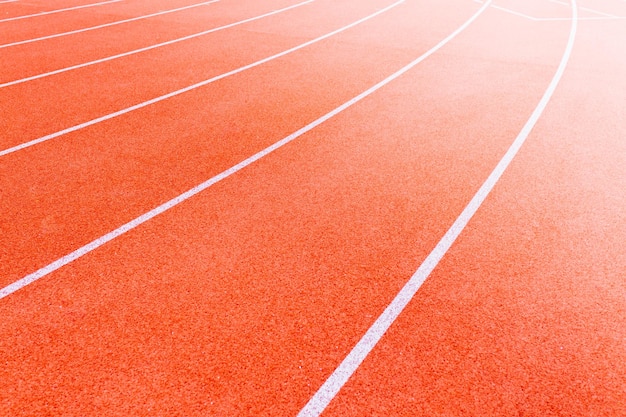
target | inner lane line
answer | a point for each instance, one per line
(197, 85)
(119, 22)
(149, 48)
(331, 387)
(59, 10)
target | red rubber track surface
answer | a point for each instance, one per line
(63, 22)
(243, 299)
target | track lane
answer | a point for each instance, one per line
(351, 363)
(524, 316)
(292, 249)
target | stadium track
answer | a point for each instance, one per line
(244, 299)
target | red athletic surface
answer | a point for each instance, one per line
(245, 298)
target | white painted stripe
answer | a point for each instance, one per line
(10, 289)
(58, 11)
(357, 355)
(105, 25)
(192, 87)
(148, 48)
(598, 12)
(596, 18)
(7, 1)
(513, 12)
(554, 19)
(563, 3)
(580, 19)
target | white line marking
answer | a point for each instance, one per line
(10, 289)
(349, 365)
(513, 12)
(58, 11)
(583, 8)
(7, 1)
(597, 18)
(148, 48)
(553, 19)
(192, 87)
(119, 22)
(587, 9)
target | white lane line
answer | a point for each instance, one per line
(10, 289)
(118, 22)
(58, 10)
(7, 1)
(598, 12)
(563, 3)
(357, 355)
(194, 86)
(513, 12)
(554, 19)
(148, 48)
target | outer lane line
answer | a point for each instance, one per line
(148, 48)
(7, 1)
(59, 10)
(562, 3)
(553, 19)
(78, 253)
(194, 86)
(320, 400)
(72, 32)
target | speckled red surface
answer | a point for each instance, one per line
(243, 299)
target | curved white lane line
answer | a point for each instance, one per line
(349, 365)
(194, 86)
(105, 25)
(58, 10)
(188, 194)
(148, 48)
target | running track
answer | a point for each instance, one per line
(223, 223)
